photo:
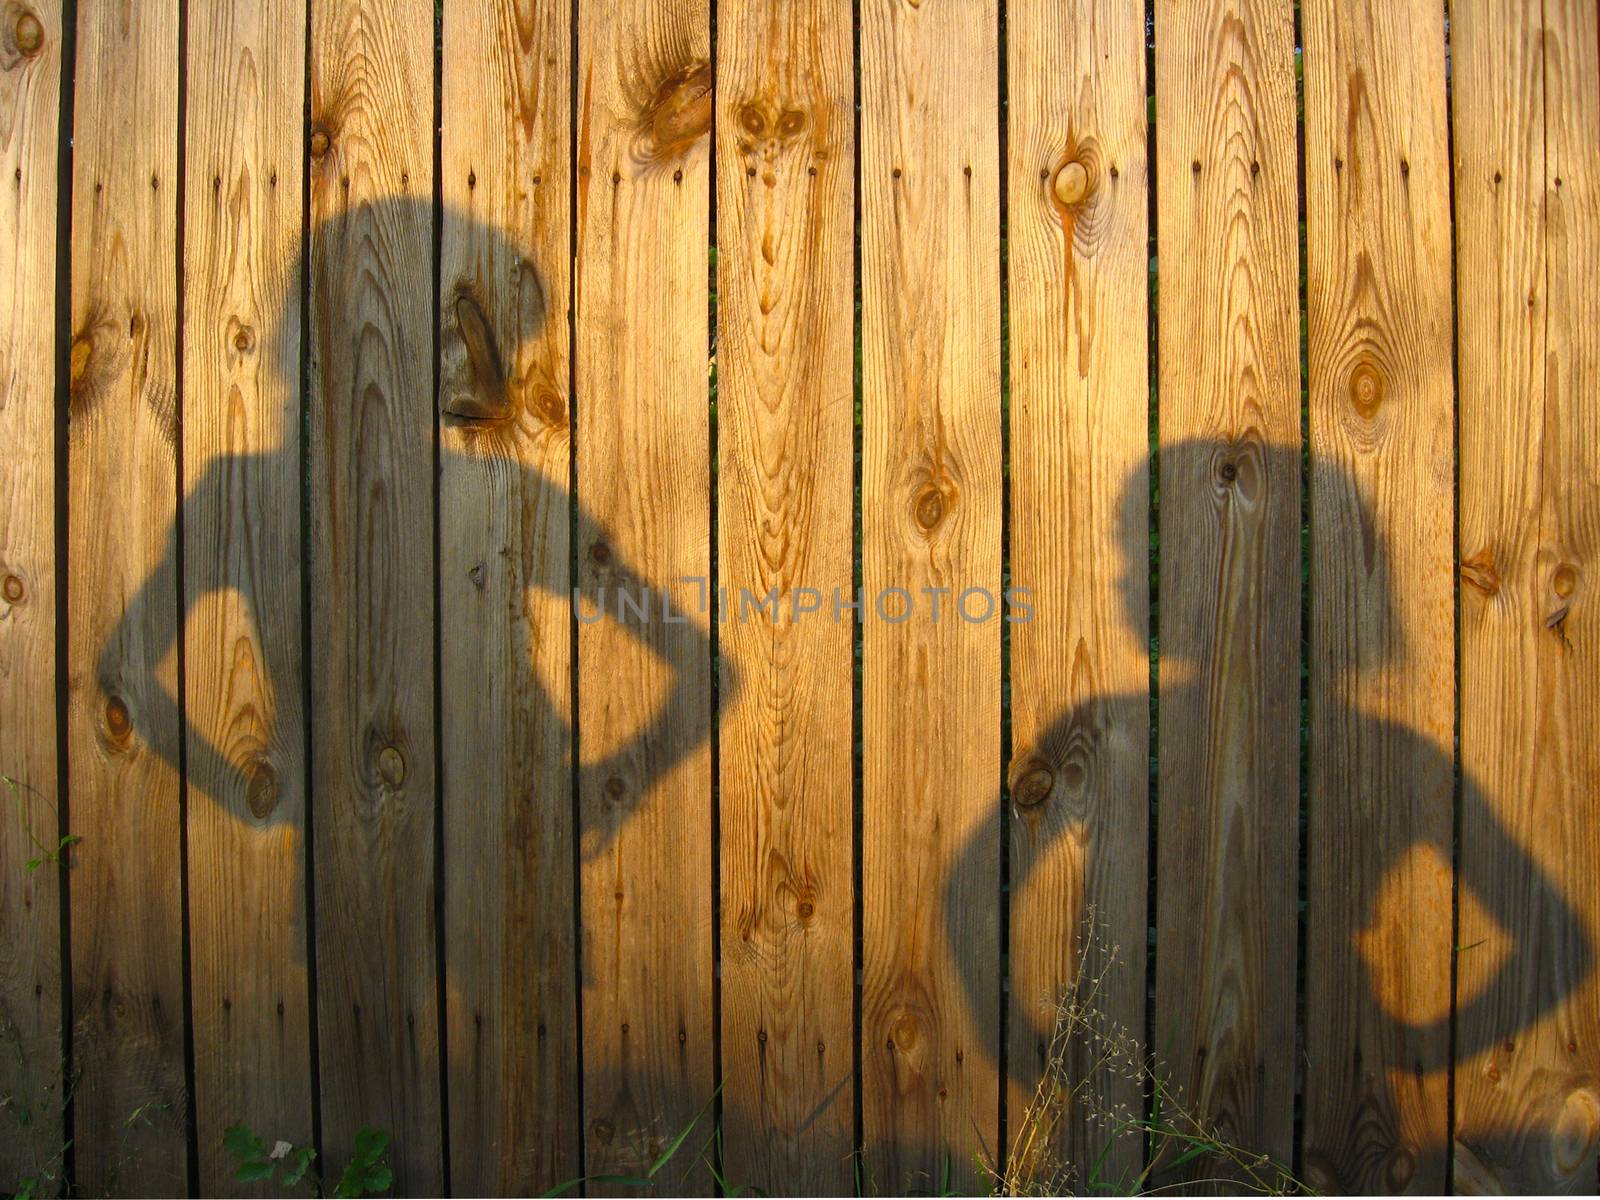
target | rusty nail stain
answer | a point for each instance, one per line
(319, 142)
(1405, 167)
(750, 172)
(1498, 177)
(30, 34)
(1195, 166)
(1564, 581)
(118, 722)
(12, 589)
(1112, 170)
(1255, 167)
(1366, 390)
(600, 553)
(761, 1036)
(616, 788)
(472, 180)
(896, 172)
(1072, 183)
(677, 176)
(1034, 787)
(392, 766)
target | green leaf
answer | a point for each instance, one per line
(677, 1142)
(370, 1145)
(241, 1142)
(296, 1164)
(379, 1179)
(253, 1172)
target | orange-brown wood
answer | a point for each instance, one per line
(30, 932)
(1527, 140)
(644, 489)
(506, 626)
(785, 309)
(1077, 240)
(1378, 838)
(1230, 568)
(123, 724)
(372, 579)
(930, 513)
(244, 679)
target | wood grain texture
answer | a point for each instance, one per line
(930, 504)
(1381, 621)
(123, 723)
(242, 579)
(1230, 559)
(644, 694)
(372, 578)
(506, 625)
(785, 305)
(1079, 516)
(30, 913)
(1527, 141)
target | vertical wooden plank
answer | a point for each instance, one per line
(1077, 229)
(123, 723)
(506, 626)
(785, 165)
(644, 695)
(30, 932)
(1382, 642)
(930, 502)
(372, 431)
(1527, 138)
(241, 586)
(1227, 157)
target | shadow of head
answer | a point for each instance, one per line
(368, 279)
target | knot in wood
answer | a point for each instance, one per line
(1564, 581)
(600, 554)
(1071, 183)
(119, 724)
(244, 339)
(261, 789)
(930, 507)
(13, 590)
(320, 142)
(1366, 390)
(391, 766)
(616, 788)
(1228, 471)
(1479, 572)
(679, 113)
(805, 910)
(1033, 789)
(29, 34)
(905, 1033)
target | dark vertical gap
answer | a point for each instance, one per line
(1303, 740)
(63, 397)
(572, 578)
(190, 1121)
(1455, 580)
(715, 637)
(1004, 793)
(308, 866)
(439, 881)
(576, 755)
(1153, 531)
(857, 791)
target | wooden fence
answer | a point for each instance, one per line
(1249, 394)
